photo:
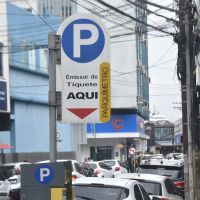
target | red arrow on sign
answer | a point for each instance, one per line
(82, 112)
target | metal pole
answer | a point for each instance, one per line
(52, 41)
(189, 104)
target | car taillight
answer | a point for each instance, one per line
(179, 184)
(17, 171)
(74, 177)
(117, 169)
(163, 198)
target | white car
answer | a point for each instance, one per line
(159, 186)
(5, 188)
(101, 169)
(12, 172)
(108, 189)
(175, 156)
(117, 166)
(77, 170)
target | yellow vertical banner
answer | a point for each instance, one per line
(105, 107)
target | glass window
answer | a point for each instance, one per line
(92, 165)
(144, 193)
(78, 168)
(104, 166)
(173, 172)
(109, 163)
(171, 188)
(138, 195)
(152, 188)
(83, 192)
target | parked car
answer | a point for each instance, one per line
(159, 186)
(88, 171)
(77, 169)
(108, 189)
(101, 169)
(5, 187)
(117, 166)
(175, 156)
(12, 172)
(170, 168)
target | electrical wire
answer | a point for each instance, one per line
(40, 16)
(133, 18)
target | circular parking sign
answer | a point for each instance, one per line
(83, 40)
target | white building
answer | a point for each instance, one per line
(129, 84)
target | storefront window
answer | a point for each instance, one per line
(101, 153)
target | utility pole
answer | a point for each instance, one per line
(189, 92)
(185, 74)
(54, 58)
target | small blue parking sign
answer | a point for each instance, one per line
(44, 174)
(83, 40)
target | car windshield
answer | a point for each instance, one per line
(92, 165)
(110, 163)
(152, 188)
(100, 192)
(175, 173)
(104, 166)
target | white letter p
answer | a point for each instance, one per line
(78, 42)
(44, 172)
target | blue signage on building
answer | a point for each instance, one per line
(83, 40)
(44, 174)
(3, 96)
(128, 123)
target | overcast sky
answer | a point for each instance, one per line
(164, 86)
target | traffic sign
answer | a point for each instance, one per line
(84, 74)
(44, 174)
(132, 150)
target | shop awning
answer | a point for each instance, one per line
(5, 146)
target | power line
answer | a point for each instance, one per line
(133, 18)
(39, 16)
(150, 11)
(159, 6)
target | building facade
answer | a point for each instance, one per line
(113, 139)
(61, 9)
(129, 85)
(161, 133)
(27, 55)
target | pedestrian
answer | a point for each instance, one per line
(130, 166)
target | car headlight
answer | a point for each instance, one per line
(13, 181)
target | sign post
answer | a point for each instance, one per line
(84, 74)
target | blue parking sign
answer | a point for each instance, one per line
(44, 174)
(83, 40)
(84, 72)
